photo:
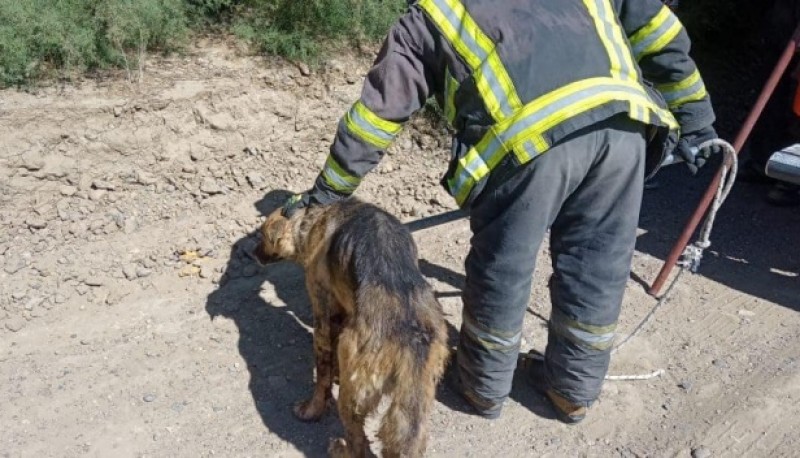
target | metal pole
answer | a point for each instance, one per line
(741, 138)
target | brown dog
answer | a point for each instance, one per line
(373, 307)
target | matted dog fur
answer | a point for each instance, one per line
(373, 307)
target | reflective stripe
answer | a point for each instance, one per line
(594, 337)
(480, 54)
(610, 33)
(491, 340)
(450, 88)
(337, 178)
(369, 127)
(690, 89)
(536, 118)
(654, 36)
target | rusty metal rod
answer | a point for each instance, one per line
(741, 138)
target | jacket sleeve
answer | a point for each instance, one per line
(400, 81)
(661, 46)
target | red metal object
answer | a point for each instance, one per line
(741, 138)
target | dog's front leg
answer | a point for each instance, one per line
(313, 409)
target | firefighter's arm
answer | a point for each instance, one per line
(398, 84)
(661, 47)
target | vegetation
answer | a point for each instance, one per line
(46, 38)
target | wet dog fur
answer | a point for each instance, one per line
(374, 315)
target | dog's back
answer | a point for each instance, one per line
(395, 342)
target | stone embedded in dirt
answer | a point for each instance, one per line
(67, 190)
(721, 363)
(104, 185)
(36, 222)
(304, 69)
(210, 187)
(189, 271)
(32, 162)
(256, 180)
(14, 266)
(144, 178)
(82, 289)
(94, 280)
(149, 397)
(701, 452)
(129, 271)
(15, 324)
(221, 121)
(142, 271)
(206, 272)
(685, 385)
(96, 194)
(130, 225)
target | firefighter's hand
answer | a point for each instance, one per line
(309, 198)
(689, 148)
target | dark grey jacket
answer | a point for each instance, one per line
(515, 77)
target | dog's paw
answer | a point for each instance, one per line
(310, 410)
(337, 448)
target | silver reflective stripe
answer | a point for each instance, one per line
(599, 341)
(673, 96)
(620, 48)
(356, 117)
(594, 337)
(489, 340)
(642, 46)
(469, 41)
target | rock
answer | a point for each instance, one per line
(14, 266)
(129, 271)
(701, 452)
(130, 225)
(210, 187)
(144, 178)
(32, 162)
(304, 70)
(67, 190)
(143, 272)
(118, 111)
(36, 222)
(221, 121)
(149, 397)
(82, 289)
(255, 180)
(15, 324)
(197, 154)
(721, 363)
(104, 185)
(189, 271)
(206, 272)
(94, 281)
(685, 385)
(96, 194)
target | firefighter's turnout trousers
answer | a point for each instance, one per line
(587, 191)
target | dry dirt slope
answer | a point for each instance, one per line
(131, 324)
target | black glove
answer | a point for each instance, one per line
(688, 148)
(312, 197)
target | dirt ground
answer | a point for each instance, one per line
(131, 323)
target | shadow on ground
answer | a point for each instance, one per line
(274, 338)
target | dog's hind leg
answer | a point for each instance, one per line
(360, 390)
(313, 409)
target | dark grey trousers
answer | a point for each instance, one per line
(587, 191)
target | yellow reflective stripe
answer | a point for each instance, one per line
(337, 178)
(369, 127)
(479, 53)
(536, 118)
(450, 88)
(587, 335)
(611, 36)
(690, 89)
(654, 36)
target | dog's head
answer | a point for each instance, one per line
(277, 240)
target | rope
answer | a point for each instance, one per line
(692, 254)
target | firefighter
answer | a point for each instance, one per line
(560, 109)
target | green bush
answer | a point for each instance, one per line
(68, 36)
(64, 37)
(302, 29)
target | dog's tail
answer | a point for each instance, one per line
(417, 371)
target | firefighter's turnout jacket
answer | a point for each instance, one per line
(515, 77)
